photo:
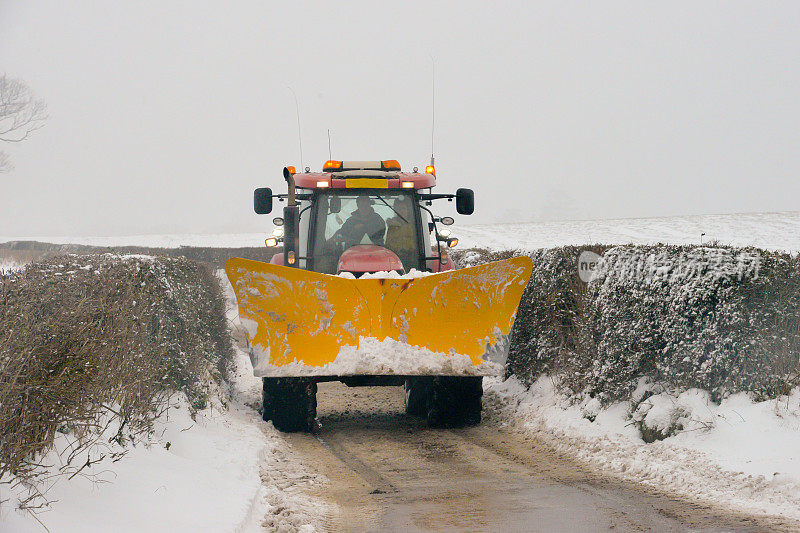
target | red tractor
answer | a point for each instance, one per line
(364, 292)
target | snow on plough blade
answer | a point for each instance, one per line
(299, 321)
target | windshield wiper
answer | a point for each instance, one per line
(392, 208)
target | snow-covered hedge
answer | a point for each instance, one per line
(99, 341)
(720, 319)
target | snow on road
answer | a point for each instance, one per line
(740, 453)
(773, 231)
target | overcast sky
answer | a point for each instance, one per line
(165, 115)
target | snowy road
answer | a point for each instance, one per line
(391, 473)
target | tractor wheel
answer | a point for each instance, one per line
(454, 401)
(416, 398)
(290, 403)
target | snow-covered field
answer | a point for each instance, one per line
(773, 231)
(740, 453)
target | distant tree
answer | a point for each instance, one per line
(20, 114)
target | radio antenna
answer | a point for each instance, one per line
(433, 103)
(329, 144)
(299, 136)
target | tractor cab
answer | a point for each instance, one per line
(366, 230)
(362, 216)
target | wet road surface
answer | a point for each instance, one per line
(389, 472)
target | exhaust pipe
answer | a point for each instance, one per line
(289, 177)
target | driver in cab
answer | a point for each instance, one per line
(363, 221)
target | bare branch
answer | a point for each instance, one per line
(20, 114)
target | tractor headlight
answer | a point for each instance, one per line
(278, 232)
(452, 242)
(271, 242)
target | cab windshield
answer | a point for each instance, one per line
(351, 218)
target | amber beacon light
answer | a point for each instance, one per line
(330, 166)
(390, 164)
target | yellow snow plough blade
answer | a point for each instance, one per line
(297, 316)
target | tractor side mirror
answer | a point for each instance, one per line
(262, 200)
(465, 201)
(335, 204)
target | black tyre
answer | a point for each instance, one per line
(290, 403)
(454, 401)
(268, 390)
(416, 399)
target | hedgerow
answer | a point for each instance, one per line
(89, 343)
(721, 319)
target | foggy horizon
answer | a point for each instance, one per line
(163, 119)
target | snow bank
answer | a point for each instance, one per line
(222, 469)
(194, 475)
(740, 452)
